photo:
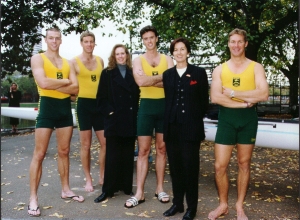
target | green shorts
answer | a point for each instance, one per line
(150, 116)
(87, 115)
(54, 113)
(236, 126)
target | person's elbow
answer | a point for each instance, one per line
(75, 89)
(265, 96)
(43, 85)
(213, 99)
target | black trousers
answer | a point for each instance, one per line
(184, 164)
(119, 162)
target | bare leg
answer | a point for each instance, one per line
(85, 154)
(42, 137)
(160, 163)
(144, 143)
(222, 158)
(102, 153)
(244, 159)
(63, 138)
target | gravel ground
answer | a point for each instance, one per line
(273, 190)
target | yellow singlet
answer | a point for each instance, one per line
(88, 80)
(153, 92)
(52, 71)
(241, 82)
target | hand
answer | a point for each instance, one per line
(227, 91)
(68, 82)
(249, 105)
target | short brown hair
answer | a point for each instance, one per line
(239, 32)
(56, 29)
(112, 62)
(184, 41)
(148, 28)
(87, 34)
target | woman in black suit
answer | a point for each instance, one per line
(118, 97)
(186, 95)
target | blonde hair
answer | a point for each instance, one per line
(112, 62)
(239, 32)
(87, 34)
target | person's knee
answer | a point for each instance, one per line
(85, 146)
(244, 165)
(63, 152)
(144, 152)
(39, 155)
(161, 148)
(220, 168)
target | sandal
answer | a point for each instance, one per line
(34, 210)
(134, 202)
(162, 195)
(74, 198)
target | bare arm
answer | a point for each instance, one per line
(102, 63)
(260, 93)
(141, 78)
(170, 62)
(73, 87)
(216, 92)
(37, 67)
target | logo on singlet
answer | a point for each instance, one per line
(236, 82)
(93, 78)
(154, 73)
(59, 75)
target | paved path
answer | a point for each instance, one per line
(273, 190)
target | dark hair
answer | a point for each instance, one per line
(112, 62)
(183, 40)
(87, 34)
(148, 28)
(239, 32)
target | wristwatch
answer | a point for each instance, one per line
(232, 94)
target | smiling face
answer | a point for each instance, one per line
(53, 40)
(237, 45)
(120, 55)
(88, 44)
(149, 40)
(180, 52)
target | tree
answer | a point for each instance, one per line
(20, 22)
(271, 25)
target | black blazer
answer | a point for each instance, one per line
(118, 99)
(195, 101)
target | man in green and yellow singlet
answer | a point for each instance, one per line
(88, 69)
(147, 72)
(56, 80)
(236, 86)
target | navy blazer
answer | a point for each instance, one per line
(195, 101)
(118, 100)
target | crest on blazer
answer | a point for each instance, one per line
(236, 81)
(59, 75)
(93, 78)
(154, 73)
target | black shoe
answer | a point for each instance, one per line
(173, 210)
(102, 197)
(190, 214)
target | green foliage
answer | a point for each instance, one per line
(271, 26)
(26, 84)
(20, 21)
